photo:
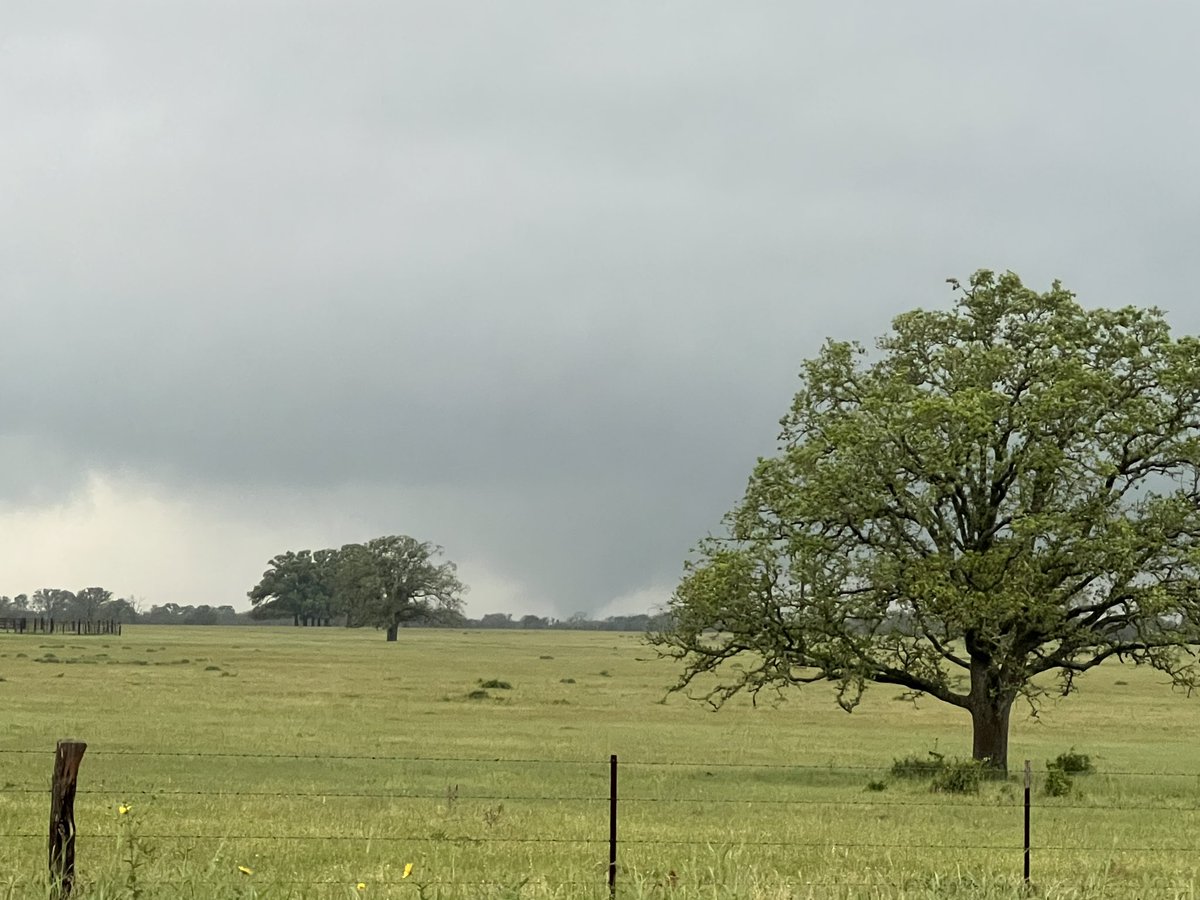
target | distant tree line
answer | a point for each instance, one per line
(577, 622)
(368, 591)
(91, 604)
(97, 604)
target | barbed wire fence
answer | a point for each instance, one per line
(608, 811)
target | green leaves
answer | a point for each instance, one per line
(384, 582)
(1006, 488)
(395, 579)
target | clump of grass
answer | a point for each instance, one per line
(566, 681)
(545, 657)
(604, 673)
(913, 766)
(212, 668)
(492, 815)
(1058, 782)
(876, 785)
(479, 694)
(495, 684)
(958, 776)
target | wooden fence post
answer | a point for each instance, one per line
(67, 758)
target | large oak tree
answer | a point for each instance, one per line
(386, 582)
(393, 580)
(996, 500)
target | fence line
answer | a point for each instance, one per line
(955, 803)
(1007, 806)
(840, 845)
(598, 761)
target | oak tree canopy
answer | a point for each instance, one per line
(997, 499)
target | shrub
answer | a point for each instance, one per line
(566, 681)
(1073, 763)
(918, 767)
(496, 684)
(1058, 782)
(877, 785)
(958, 776)
(478, 695)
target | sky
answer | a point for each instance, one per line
(530, 280)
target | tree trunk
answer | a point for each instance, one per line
(989, 722)
(990, 706)
(391, 632)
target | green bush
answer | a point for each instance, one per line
(1073, 763)
(958, 776)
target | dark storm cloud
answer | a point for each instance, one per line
(549, 267)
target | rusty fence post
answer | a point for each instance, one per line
(67, 757)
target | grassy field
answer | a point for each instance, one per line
(208, 737)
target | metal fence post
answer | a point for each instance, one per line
(1028, 786)
(612, 825)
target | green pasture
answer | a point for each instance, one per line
(325, 759)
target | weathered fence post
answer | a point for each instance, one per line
(612, 825)
(67, 758)
(1028, 786)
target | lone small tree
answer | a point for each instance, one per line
(1007, 489)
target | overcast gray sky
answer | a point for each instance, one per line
(532, 280)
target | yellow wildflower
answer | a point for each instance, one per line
(407, 870)
(122, 809)
(245, 870)
(360, 886)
